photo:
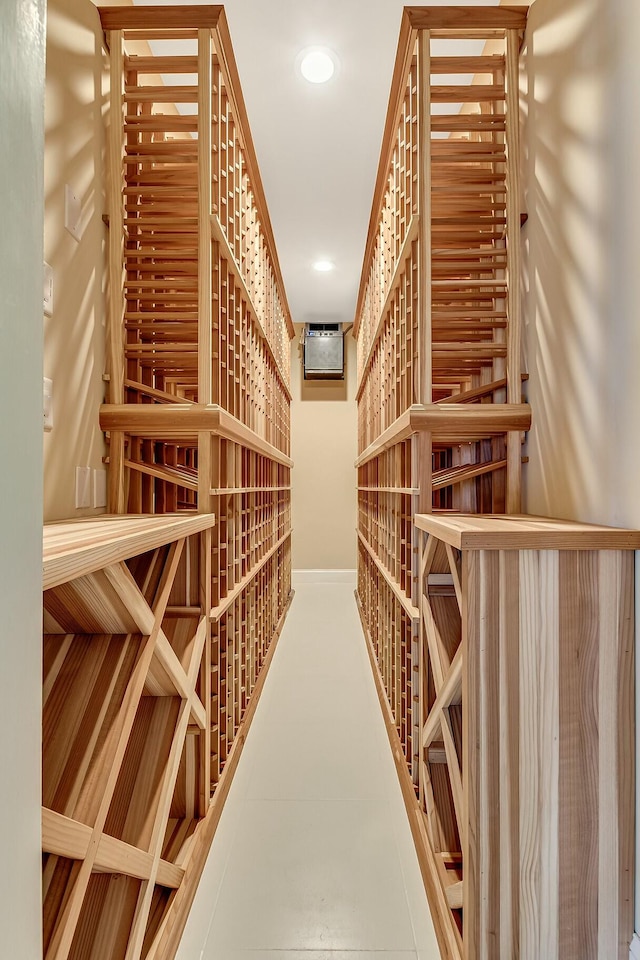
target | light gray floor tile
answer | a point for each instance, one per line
(313, 858)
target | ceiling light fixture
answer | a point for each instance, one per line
(317, 64)
(323, 266)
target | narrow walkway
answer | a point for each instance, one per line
(313, 858)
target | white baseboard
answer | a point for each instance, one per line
(634, 949)
(298, 577)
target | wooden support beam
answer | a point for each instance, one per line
(185, 422)
(514, 257)
(423, 393)
(467, 19)
(115, 329)
(205, 266)
(455, 423)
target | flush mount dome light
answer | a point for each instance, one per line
(323, 266)
(317, 64)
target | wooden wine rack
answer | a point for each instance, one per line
(526, 805)
(440, 411)
(199, 395)
(125, 726)
(198, 423)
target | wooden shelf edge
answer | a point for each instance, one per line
(449, 940)
(183, 422)
(132, 18)
(523, 532)
(75, 548)
(398, 431)
(451, 423)
(468, 18)
(237, 491)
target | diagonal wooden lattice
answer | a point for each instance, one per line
(135, 670)
(125, 726)
(441, 792)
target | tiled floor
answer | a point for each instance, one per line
(313, 858)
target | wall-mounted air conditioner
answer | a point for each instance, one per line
(323, 346)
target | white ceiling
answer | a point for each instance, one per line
(318, 144)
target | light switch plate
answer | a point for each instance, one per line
(47, 403)
(47, 290)
(72, 212)
(83, 487)
(99, 488)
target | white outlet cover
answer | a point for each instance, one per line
(99, 488)
(47, 403)
(83, 487)
(72, 212)
(47, 290)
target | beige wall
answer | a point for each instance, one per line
(581, 88)
(324, 448)
(74, 336)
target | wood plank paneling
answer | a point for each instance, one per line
(509, 748)
(539, 721)
(546, 639)
(579, 758)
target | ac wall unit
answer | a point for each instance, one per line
(323, 346)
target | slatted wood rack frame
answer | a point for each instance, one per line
(198, 414)
(526, 806)
(198, 423)
(132, 684)
(440, 411)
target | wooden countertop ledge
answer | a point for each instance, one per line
(73, 548)
(522, 532)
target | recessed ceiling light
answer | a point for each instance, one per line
(323, 266)
(317, 65)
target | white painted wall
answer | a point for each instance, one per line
(581, 89)
(21, 159)
(324, 448)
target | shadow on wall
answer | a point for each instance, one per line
(76, 89)
(568, 64)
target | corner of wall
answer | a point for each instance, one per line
(74, 337)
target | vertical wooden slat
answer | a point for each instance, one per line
(471, 599)
(579, 756)
(205, 340)
(514, 331)
(424, 374)
(539, 732)
(204, 590)
(509, 702)
(115, 352)
(205, 468)
(485, 739)
(616, 754)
